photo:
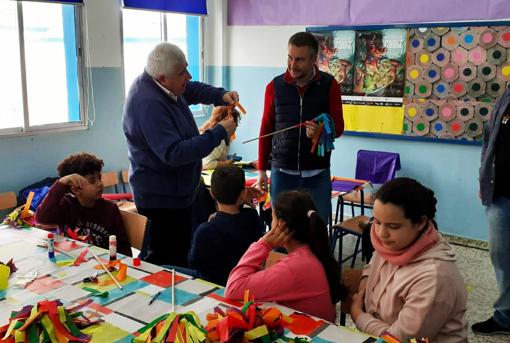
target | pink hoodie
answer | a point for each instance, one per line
(424, 298)
(297, 281)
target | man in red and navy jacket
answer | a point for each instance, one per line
(298, 96)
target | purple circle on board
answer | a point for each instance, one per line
(431, 42)
(429, 112)
(415, 43)
(432, 73)
(440, 57)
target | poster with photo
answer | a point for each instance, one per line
(379, 63)
(336, 56)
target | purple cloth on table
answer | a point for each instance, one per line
(377, 166)
(345, 185)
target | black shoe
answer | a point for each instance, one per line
(489, 328)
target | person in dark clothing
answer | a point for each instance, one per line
(297, 97)
(218, 244)
(495, 195)
(75, 204)
(165, 148)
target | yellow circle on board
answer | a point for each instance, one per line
(424, 58)
(414, 74)
(412, 112)
(505, 70)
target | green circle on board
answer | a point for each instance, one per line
(473, 126)
(420, 127)
(408, 89)
(496, 54)
(486, 70)
(476, 87)
(484, 111)
(406, 127)
(422, 89)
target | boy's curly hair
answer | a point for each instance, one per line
(82, 163)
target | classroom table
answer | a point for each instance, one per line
(124, 311)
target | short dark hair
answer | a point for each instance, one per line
(227, 183)
(82, 163)
(415, 199)
(305, 39)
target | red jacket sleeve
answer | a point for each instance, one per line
(335, 108)
(267, 126)
(52, 209)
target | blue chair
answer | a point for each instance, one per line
(372, 167)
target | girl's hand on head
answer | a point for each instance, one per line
(279, 234)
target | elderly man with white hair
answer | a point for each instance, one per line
(165, 148)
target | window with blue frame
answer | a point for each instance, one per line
(40, 83)
(142, 30)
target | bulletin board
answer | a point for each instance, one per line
(432, 82)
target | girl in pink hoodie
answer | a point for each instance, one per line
(411, 287)
(307, 279)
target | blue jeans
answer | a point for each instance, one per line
(319, 187)
(498, 214)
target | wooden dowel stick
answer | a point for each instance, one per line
(273, 133)
(105, 269)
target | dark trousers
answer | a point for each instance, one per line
(170, 235)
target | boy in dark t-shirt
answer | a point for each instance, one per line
(74, 202)
(218, 244)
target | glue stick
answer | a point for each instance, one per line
(112, 242)
(51, 246)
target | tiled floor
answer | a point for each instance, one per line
(476, 269)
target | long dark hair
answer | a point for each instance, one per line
(415, 199)
(297, 209)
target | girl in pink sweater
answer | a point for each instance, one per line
(411, 287)
(307, 279)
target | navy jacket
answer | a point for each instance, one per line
(292, 149)
(164, 146)
(487, 168)
(218, 245)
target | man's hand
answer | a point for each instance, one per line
(311, 128)
(231, 97)
(74, 180)
(229, 125)
(261, 183)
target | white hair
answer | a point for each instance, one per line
(163, 60)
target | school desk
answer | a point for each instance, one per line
(123, 311)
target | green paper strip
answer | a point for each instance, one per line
(96, 293)
(162, 333)
(146, 330)
(48, 327)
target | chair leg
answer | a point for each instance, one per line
(343, 317)
(355, 252)
(340, 248)
(332, 243)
